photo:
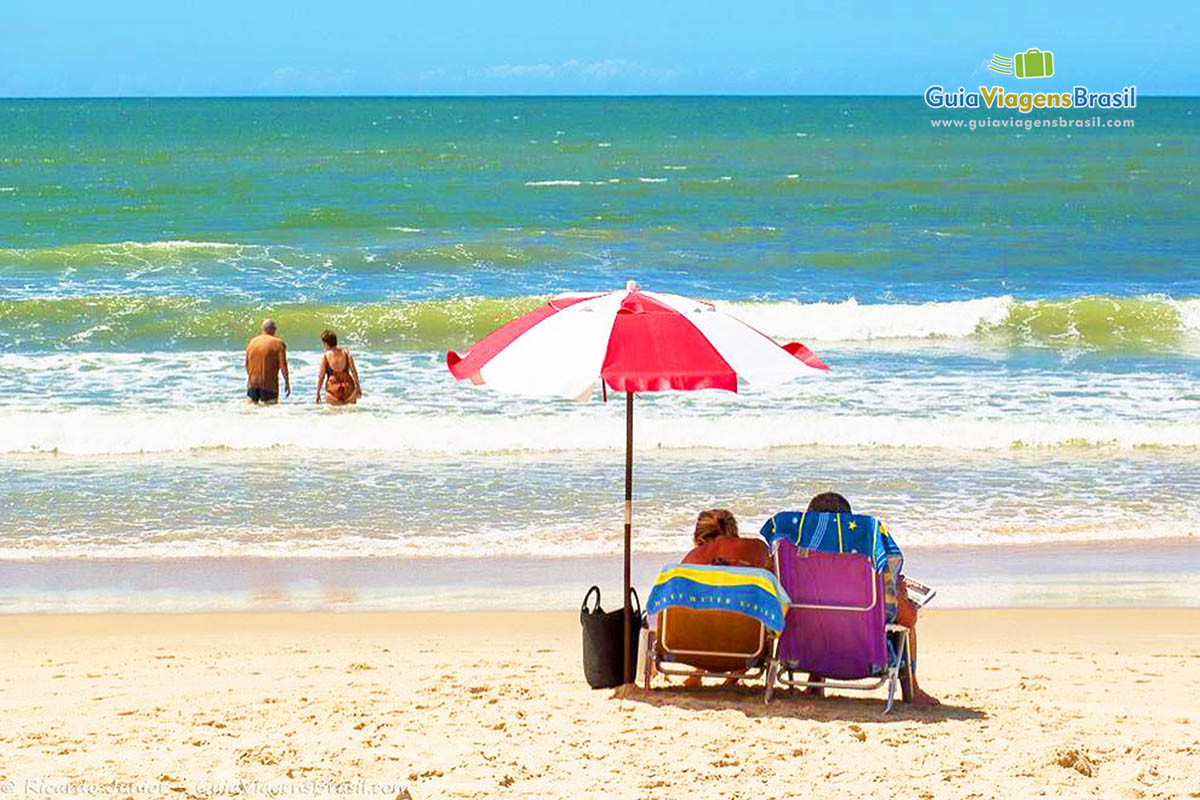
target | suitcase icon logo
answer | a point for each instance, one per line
(1033, 63)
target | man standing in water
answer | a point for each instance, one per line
(266, 357)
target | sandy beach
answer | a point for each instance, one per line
(1058, 703)
(342, 351)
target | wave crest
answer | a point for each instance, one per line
(194, 323)
(1090, 322)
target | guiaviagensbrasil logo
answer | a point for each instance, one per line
(1033, 63)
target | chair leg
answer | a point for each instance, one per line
(893, 679)
(651, 656)
(772, 674)
(906, 671)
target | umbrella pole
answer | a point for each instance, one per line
(628, 529)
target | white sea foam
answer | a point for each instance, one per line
(653, 180)
(95, 432)
(561, 182)
(851, 321)
(1189, 313)
(158, 245)
(176, 243)
(592, 538)
(854, 321)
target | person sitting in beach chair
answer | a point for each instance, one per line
(717, 543)
(900, 610)
(906, 609)
(696, 631)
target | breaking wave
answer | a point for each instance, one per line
(127, 323)
(1090, 322)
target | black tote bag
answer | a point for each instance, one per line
(603, 632)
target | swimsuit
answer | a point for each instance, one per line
(339, 384)
(258, 395)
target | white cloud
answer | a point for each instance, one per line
(293, 79)
(505, 71)
(590, 71)
(433, 74)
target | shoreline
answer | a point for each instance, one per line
(1100, 574)
(67, 624)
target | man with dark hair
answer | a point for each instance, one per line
(830, 502)
(906, 609)
(266, 357)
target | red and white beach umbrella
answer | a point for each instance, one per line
(634, 341)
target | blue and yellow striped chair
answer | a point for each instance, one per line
(712, 621)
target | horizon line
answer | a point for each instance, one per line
(483, 96)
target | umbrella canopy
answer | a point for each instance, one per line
(634, 341)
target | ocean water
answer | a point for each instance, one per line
(1013, 322)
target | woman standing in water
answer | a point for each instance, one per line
(337, 373)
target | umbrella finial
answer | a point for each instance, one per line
(631, 286)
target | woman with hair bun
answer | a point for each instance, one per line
(715, 523)
(717, 542)
(337, 373)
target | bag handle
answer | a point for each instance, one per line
(583, 609)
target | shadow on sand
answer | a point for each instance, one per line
(793, 705)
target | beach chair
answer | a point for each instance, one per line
(840, 571)
(712, 621)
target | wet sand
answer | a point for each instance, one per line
(1137, 572)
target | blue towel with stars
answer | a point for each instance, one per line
(835, 533)
(843, 533)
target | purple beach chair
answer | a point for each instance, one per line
(836, 626)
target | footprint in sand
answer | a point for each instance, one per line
(1076, 759)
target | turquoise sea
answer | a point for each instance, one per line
(1012, 318)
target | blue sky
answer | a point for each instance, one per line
(254, 47)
